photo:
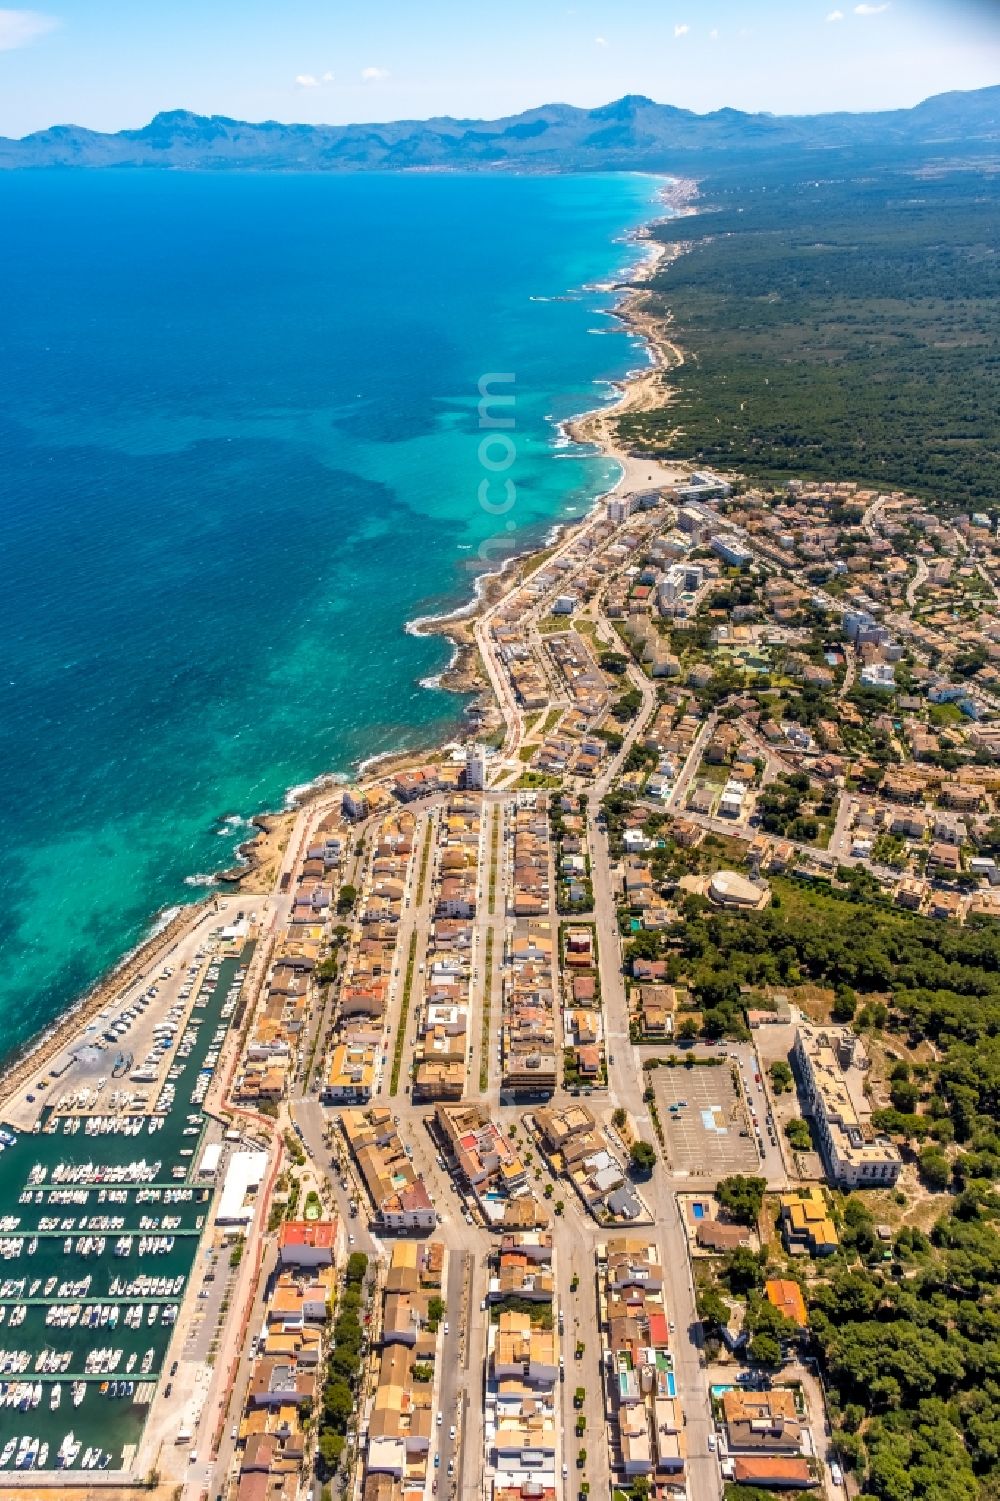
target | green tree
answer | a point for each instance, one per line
(742, 1197)
(935, 1168)
(743, 1271)
(713, 1308)
(781, 1076)
(904, 1095)
(642, 1156)
(764, 1349)
(845, 1003)
(338, 1404)
(329, 1448)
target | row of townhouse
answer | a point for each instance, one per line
(522, 1436)
(642, 896)
(444, 776)
(585, 1061)
(443, 1021)
(444, 1004)
(514, 652)
(528, 1025)
(577, 1148)
(646, 1423)
(400, 1423)
(670, 736)
(274, 1040)
(571, 749)
(287, 1373)
(363, 995)
(490, 1165)
(531, 857)
(568, 823)
(915, 823)
(397, 1193)
(587, 687)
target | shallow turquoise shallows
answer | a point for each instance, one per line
(240, 447)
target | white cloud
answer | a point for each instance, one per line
(835, 15)
(871, 10)
(374, 75)
(19, 28)
(713, 35)
(600, 41)
(681, 30)
(310, 81)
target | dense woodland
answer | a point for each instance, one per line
(841, 328)
(910, 1349)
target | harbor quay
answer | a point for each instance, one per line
(107, 1174)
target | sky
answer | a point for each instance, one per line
(112, 64)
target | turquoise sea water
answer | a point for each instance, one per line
(239, 450)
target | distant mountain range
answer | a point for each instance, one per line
(633, 133)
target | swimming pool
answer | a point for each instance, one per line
(698, 1210)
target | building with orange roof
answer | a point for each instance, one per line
(786, 1296)
(309, 1243)
(774, 1471)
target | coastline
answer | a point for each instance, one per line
(639, 390)
(39, 1050)
(464, 674)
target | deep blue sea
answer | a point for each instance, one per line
(239, 450)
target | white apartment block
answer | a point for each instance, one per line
(831, 1063)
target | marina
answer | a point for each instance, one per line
(104, 1212)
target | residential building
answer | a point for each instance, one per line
(831, 1064)
(786, 1296)
(351, 1075)
(762, 1422)
(806, 1223)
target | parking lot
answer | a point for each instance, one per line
(703, 1130)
